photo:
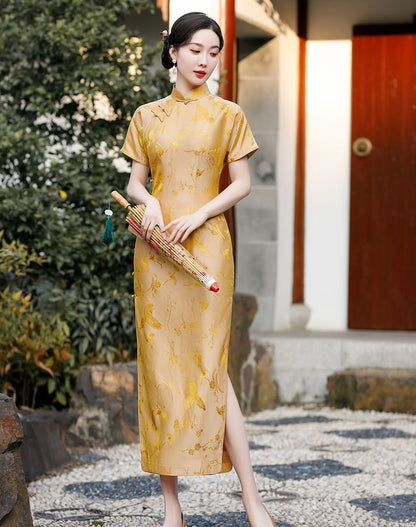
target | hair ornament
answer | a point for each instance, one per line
(164, 34)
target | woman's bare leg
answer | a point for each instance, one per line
(236, 444)
(169, 486)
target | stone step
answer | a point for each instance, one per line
(304, 359)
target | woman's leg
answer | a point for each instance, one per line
(236, 444)
(169, 486)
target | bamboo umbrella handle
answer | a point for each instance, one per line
(121, 199)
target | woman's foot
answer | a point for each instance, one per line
(258, 515)
(179, 521)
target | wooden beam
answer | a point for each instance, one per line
(299, 226)
(163, 5)
(228, 66)
(228, 88)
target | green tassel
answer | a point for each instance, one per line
(108, 235)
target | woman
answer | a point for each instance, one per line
(190, 420)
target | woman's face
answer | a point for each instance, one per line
(196, 60)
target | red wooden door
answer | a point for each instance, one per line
(382, 266)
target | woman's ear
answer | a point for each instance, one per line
(173, 54)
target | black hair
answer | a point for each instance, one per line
(183, 29)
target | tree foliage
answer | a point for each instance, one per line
(71, 76)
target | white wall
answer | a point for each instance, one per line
(328, 111)
(180, 7)
(286, 172)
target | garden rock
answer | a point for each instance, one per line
(381, 389)
(106, 404)
(259, 388)
(14, 500)
(44, 449)
(250, 363)
(244, 311)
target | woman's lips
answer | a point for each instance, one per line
(200, 74)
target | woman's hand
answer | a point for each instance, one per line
(152, 216)
(137, 191)
(182, 227)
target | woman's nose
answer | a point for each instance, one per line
(202, 59)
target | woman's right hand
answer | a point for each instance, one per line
(152, 216)
(136, 190)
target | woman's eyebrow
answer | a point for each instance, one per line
(201, 45)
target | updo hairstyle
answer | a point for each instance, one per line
(181, 33)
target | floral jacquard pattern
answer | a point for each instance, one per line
(183, 329)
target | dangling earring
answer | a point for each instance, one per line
(173, 73)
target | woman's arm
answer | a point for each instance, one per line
(239, 187)
(137, 191)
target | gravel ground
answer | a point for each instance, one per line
(315, 467)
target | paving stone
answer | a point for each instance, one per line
(372, 433)
(305, 470)
(125, 489)
(400, 508)
(255, 446)
(233, 519)
(292, 420)
(87, 456)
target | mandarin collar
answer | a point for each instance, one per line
(193, 95)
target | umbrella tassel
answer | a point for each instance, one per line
(108, 235)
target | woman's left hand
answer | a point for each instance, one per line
(182, 227)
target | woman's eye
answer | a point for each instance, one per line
(195, 50)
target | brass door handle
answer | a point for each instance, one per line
(362, 147)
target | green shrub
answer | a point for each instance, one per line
(34, 350)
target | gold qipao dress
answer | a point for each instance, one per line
(182, 328)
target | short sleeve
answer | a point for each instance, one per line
(134, 144)
(242, 142)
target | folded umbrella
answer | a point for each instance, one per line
(174, 252)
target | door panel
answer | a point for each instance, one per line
(382, 267)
